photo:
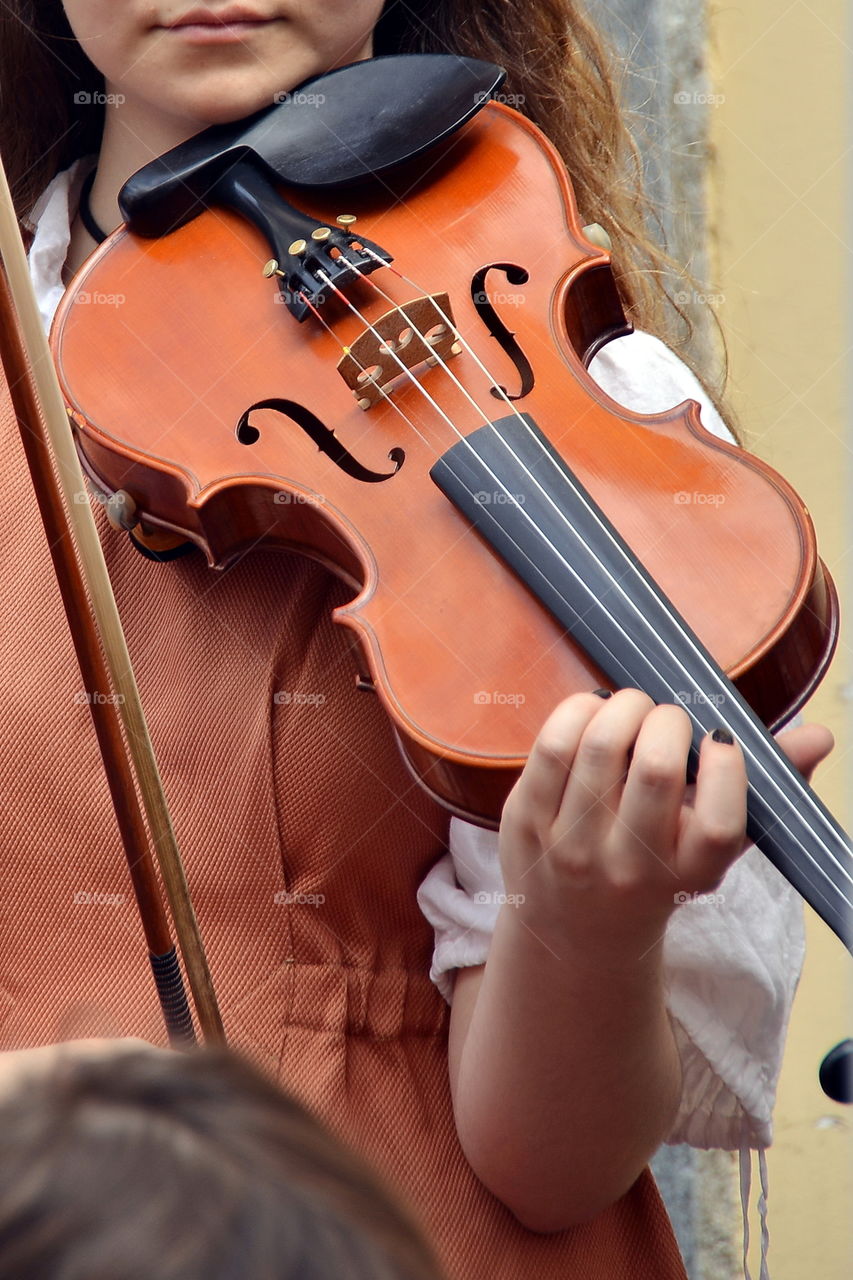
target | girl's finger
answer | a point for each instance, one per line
(716, 825)
(650, 815)
(806, 746)
(536, 798)
(594, 788)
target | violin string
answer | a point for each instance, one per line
(685, 634)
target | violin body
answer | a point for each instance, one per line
(162, 347)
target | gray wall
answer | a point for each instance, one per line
(665, 85)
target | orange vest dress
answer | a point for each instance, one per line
(305, 841)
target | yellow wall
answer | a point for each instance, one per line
(781, 240)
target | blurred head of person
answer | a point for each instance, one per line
(123, 1162)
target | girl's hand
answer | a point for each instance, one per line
(601, 836)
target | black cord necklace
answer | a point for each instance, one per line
(95, 231)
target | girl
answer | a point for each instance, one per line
(584, 1020)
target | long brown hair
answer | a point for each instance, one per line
(560, 72)
(142, 1162)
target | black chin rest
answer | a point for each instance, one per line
(336, 129)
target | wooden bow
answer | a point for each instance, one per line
(95, 628)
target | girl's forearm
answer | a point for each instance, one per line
(565, 1072)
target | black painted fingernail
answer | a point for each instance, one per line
(722, 735)
(603, 693)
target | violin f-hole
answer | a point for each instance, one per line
(323, 436)
(515, 275)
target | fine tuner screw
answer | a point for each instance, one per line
(298, 248)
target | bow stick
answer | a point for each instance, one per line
(92, 614)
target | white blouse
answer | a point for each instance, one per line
(732, 965)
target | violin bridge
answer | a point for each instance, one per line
(394, 345)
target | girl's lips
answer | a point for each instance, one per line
(217, 32)
(205, 26)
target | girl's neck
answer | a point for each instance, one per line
(131, 139)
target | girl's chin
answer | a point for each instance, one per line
(223, 106)
(211, 97)
(214, 96)
(226, 95)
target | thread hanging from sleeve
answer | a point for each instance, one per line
(745, 1187)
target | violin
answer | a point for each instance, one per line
(358, 327)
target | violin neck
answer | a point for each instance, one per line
(552, 533)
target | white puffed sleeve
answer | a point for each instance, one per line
(732, 960)
(461, 897)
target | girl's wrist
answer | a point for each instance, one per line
(572, 936)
